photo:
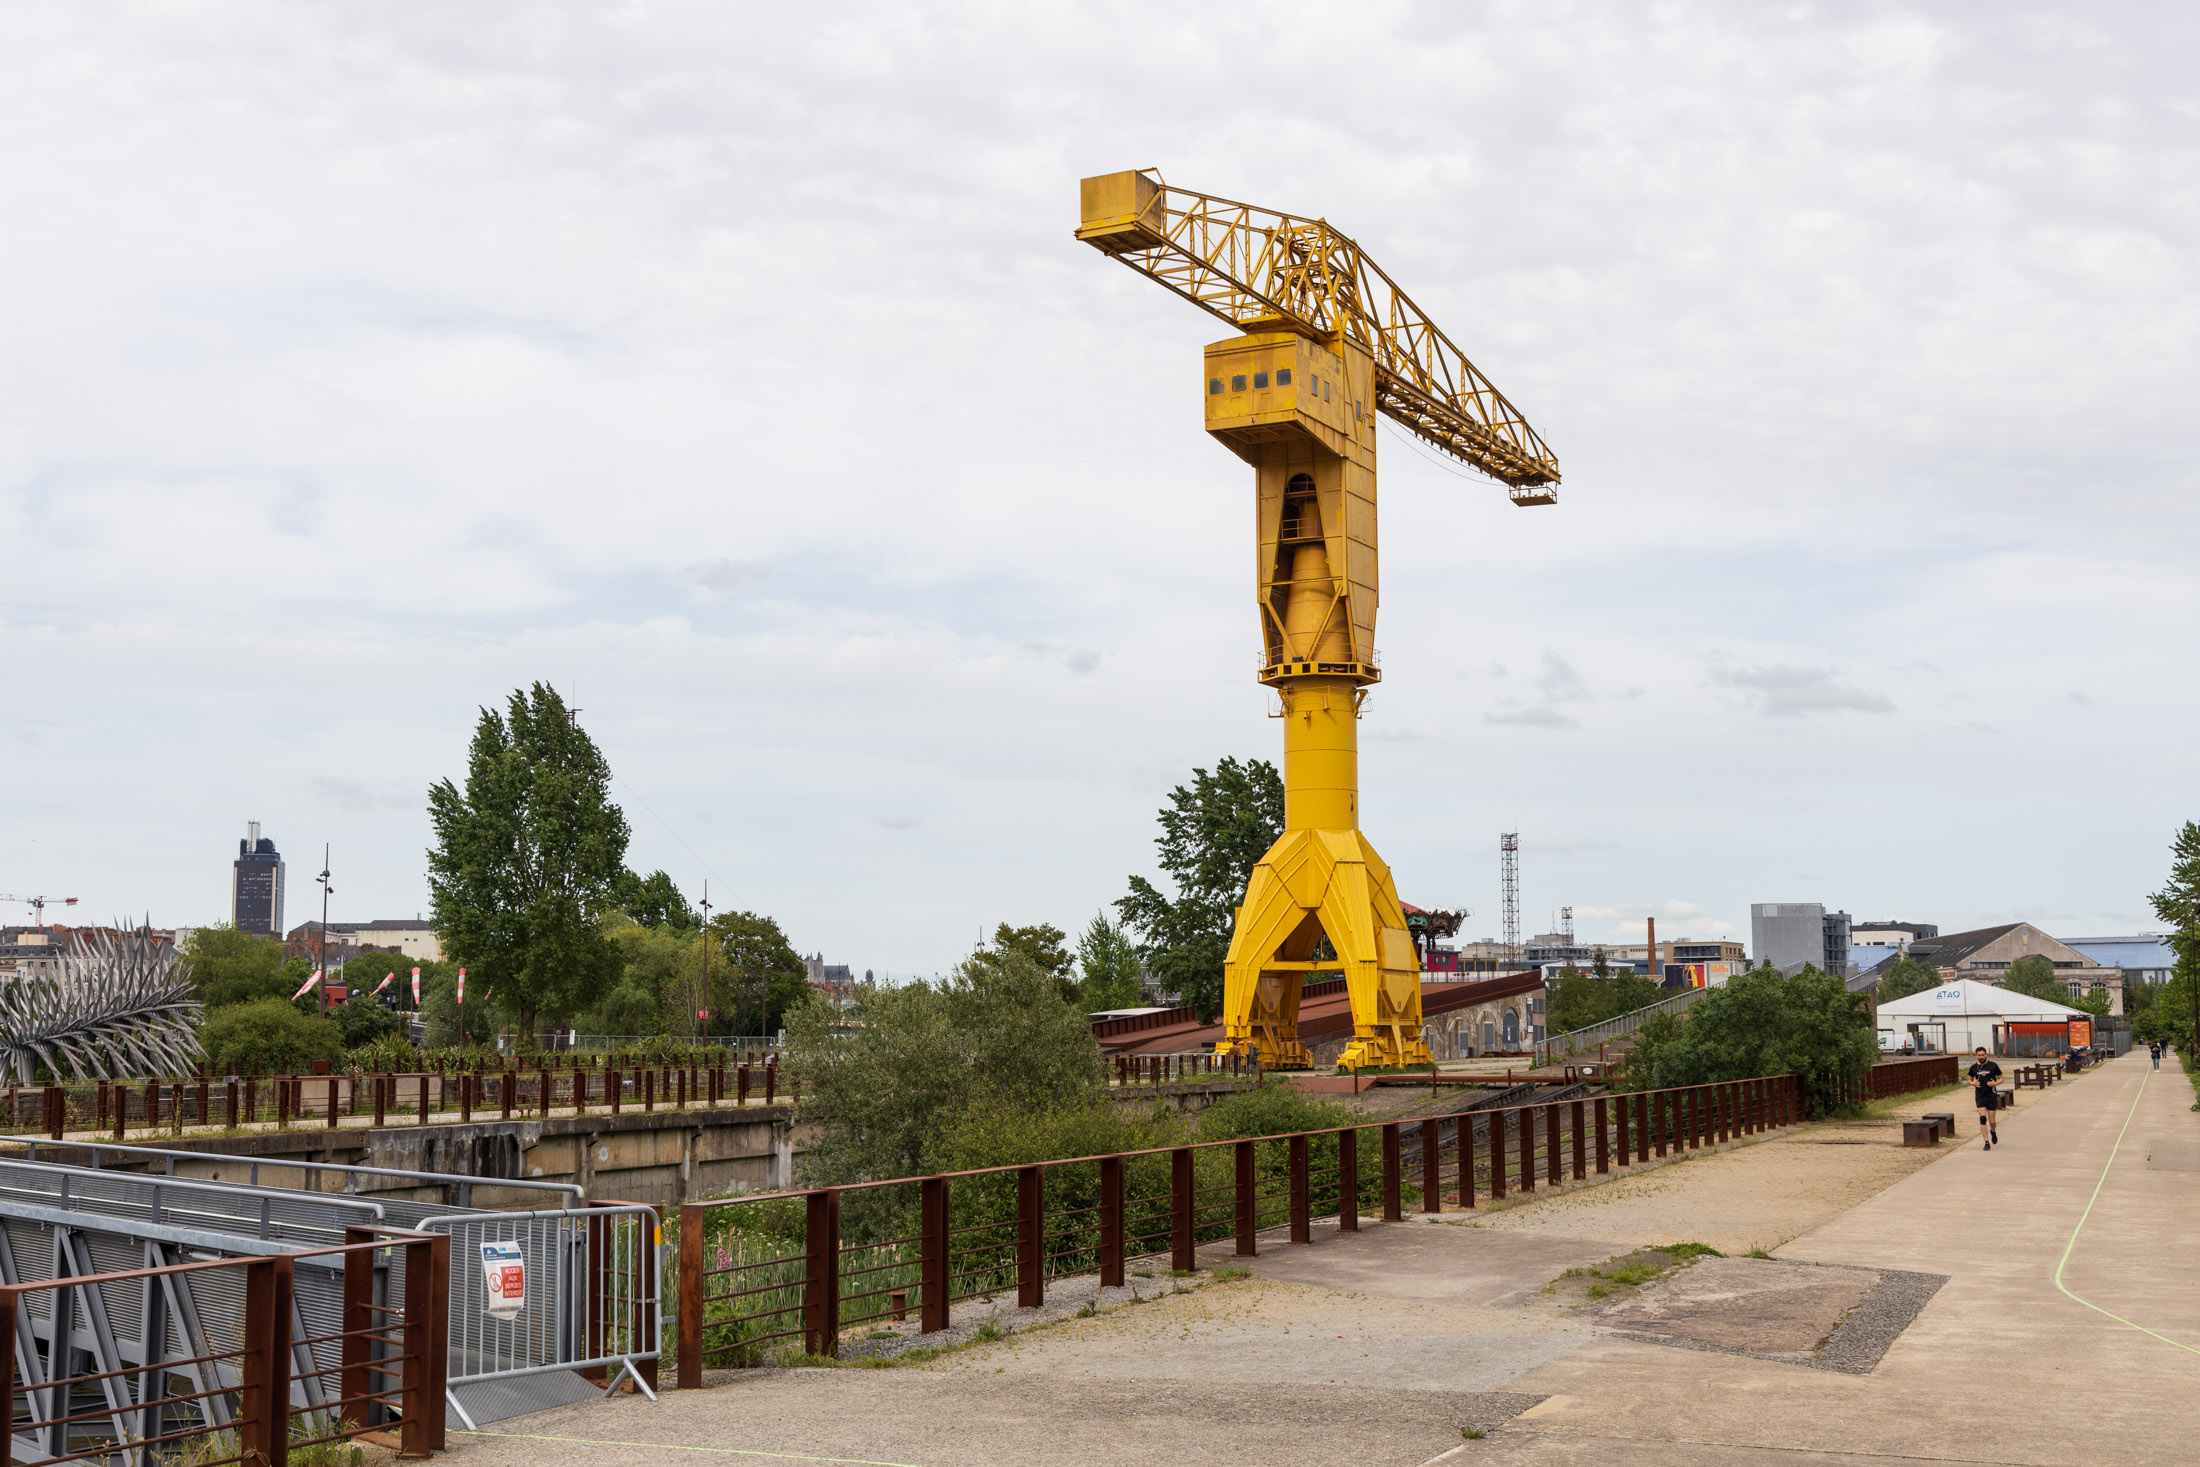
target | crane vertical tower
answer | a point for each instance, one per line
(1508, 862)
(1326, 342)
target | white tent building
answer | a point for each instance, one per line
(1961, 1015)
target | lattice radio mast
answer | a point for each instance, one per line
(1566, 927)
(1508, 852)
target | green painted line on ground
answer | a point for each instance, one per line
(587, 1441)
(2069, 1247)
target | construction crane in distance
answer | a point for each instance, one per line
(1327, 342)
(37, 904)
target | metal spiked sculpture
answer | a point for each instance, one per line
(108, 1008)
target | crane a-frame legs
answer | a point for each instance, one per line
(1314, 884)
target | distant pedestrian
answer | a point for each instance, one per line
(2154, 1053)
(1985, 1076)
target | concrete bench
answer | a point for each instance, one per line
(1921, 1133)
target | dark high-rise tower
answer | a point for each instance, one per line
(256, 891)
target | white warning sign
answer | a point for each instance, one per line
(504, 1270)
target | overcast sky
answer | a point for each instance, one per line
(733, 368)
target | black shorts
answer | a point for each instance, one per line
(1987, 1099)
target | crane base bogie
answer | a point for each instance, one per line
(1316, 884)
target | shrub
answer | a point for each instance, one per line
(361, 1021)
(1272, 1110)
(268, 1033)
(886, 1091)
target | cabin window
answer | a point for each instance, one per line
(1260, 379)
(1237, 384)
(1214, 387)
(1283, 376)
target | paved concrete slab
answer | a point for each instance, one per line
(2001, 1366)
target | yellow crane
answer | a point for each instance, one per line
(1326, 342)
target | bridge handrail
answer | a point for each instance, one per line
(1573, 1041)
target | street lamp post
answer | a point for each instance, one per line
(700, 1024)
(325, 890)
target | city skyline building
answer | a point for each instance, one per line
(256, 885)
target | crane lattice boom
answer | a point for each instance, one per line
(1260, 269)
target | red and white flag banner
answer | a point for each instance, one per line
(307, 986)
(416, 988)
(462, 985)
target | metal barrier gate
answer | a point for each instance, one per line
(593, 1307)
(602, 1313)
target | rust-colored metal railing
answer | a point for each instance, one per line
(381, 1369)
(759, 1273)
(172, 1105)
(1902, 1077)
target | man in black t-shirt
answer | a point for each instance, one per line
(1985, 1076)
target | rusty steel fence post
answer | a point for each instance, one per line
(1497, 1153)
(1348, 1180)
(690, 1324)
(355, 1375)
(1463, 1131)
(1581, 1159)
(934, 1269)
(439, 1338)
(1111, 1222)
(263, 1398)
(1302, 1192)
(821, 1281)
(1183, 1238)
(1604, 1145)
(414, 1372)
(1247, 1178)
(1432, 1166)
(1031, 1237)
(10, 1302)
(1393, 1203)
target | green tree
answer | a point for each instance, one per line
(1581, 999)
(2036, 977)
(268, 1033)
(443, 1019)
(650, 962)
(654, 901)
(527, 859)
(225, 966)
(1762, 1024)
(1041, 946)
(360, 1020)
(886, 1086)
(756, 976)
(1212, 836)
(1109, 974)
(2178, 902)
(1904, 976)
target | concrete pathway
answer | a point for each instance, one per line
(2013, 1361)
(1380, 1347)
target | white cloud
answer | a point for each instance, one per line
(737, 373)
(1783, 690)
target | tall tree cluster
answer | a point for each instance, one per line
(527, 859)
(1213, 833)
